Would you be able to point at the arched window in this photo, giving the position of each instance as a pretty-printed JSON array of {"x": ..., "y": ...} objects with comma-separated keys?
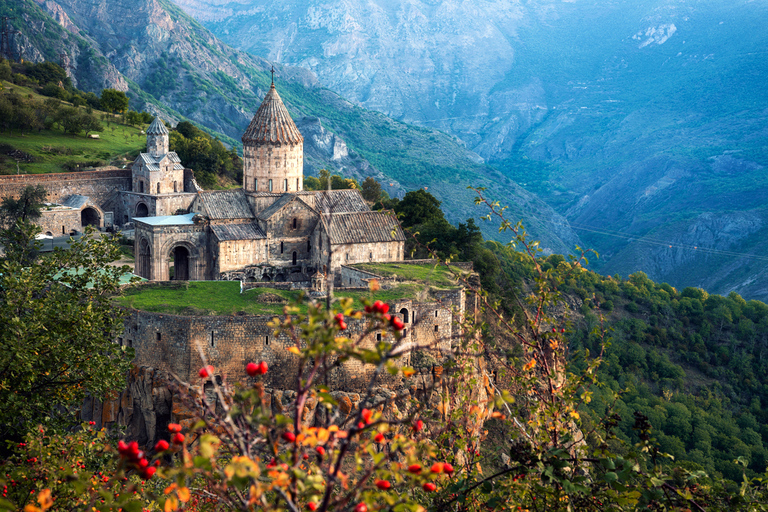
[
  {"x": 175, "y": 187},
  {"x": 141, "y": 186},
  {"x": 281, "y": 247},
  {"x": 285, "y": 185},
  {"x": 297, "y": 184},
  {"x": 270, "y": 185},
  {"x": 309, "y": 245},
  {"x": 295, "y": 222},
  {"x": 158, "y": 188},
  {"x": 294, "y": 257}
]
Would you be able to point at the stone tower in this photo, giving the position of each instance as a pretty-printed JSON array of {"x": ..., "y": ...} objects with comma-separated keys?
[
  {"x": 273, "y": 149},
  {"x": 157, "y": 138}
]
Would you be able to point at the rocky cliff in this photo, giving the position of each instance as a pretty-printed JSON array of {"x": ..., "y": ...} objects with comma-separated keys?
[{"x": 611, "y": 112}]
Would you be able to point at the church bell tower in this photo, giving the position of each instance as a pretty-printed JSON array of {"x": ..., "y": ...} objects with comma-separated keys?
[{"x": 273, "y": 149}]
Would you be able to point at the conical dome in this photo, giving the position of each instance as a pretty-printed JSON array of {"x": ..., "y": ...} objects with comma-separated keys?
[
  {"x": 272, "y": 123},
  {"x": 157, "y": 128}
]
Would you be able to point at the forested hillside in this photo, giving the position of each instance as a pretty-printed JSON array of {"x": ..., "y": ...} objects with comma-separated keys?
[{"x": 692, "y": 362}]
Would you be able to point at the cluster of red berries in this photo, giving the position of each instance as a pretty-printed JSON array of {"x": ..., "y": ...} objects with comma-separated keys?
[
  {"x": 253, "y": 369},
  {"x": 135, "y": 457},
  {"x": 175, "y": 429},
  {"x": 340, "y": 321},
  {"x": 383, "y": 309}
]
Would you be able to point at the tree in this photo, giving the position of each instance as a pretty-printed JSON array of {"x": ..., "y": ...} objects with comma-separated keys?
[
  {"x": 57, "y": 329},
  {"x": 371, "y": 190},
  {"x": 90, "y": 123},
  {"x": 113, "y": 101},
  {"x": 418, "y": 207}
]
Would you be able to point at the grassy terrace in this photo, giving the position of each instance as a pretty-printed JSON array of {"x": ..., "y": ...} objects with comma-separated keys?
[
  {"x": 224, "y": 297},
  {"x": 431, "y": 274}
]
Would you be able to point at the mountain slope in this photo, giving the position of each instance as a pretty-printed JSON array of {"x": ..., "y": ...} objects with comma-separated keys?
[
  {"x": 634, "y": 117},
  {"x": 173, "y": 64}
]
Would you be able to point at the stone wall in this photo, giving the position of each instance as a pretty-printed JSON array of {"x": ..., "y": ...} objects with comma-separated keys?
[
  {"x": 380, "y": 252},
  {"x": 161, "y": 242},
  {"x": 60, "y": 221},
  {"x": 282, "y": 164},
  {"x": 99, "y": 185},
  {"x": 235, "y": 254}
]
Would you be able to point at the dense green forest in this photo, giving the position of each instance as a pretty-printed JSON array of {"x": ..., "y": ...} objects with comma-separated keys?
[
  {"x": 690, "y": 361},
  {"x": 205, "y": 155}
]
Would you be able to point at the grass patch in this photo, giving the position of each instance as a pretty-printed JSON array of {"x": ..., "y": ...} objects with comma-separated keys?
[
  {"x": 428, "y": 273},
  {"x": 224, "y": 298},
  {"x": 52, "y": 150}
]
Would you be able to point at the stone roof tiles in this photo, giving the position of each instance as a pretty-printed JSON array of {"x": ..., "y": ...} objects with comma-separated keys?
[
  {"x": 276, "y": 206},
  {"x": 364, "y": 227},
  {"x": 157, "y": 128},
  {"x": 272, "y": 123},
  {"x": 340, "y": 201},
  {"x": 226, "y": 204},
  {"x": 76, "y": 201},
  {"x": 226, "y": 232}
]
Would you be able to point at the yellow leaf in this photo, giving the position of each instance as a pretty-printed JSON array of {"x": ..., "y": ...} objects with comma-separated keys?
[
  {"x": 574, "y": 415},
  {"x": 183, "y": 494},
  {"x": 31, "y": 508},
  {"x": 408, "y": 371},
  {"x": 171, "y": 504},
  {"x": 294, "y": 350},
  {"x": 44, "y": 499},
  {"x": 530, "y": 365}
]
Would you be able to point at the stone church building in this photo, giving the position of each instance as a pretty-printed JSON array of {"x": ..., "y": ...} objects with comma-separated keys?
[{"x": 269, "y": 230}]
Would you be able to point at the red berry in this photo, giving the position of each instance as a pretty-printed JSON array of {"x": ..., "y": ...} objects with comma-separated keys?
[
  {"x": 414, "y": 468},
  {"x": 383, "y": 484},
  {"x": 143, "y": 463},
  {"x": 91, "y": 423},
  {"x": 320, "y": 451},
  {"x": 429, "y": 487},
  {"x": 339, "y": 317},
  {"x": 174, "y": 428},
  {"x": 360, "y": 425},
  {"x": 305, "y": 456},
  {"x": 161, "y": 445},
  {"x": 178, "y": 438},
  {"x": 368, "y": 309},
  {"x": 397, "y": 324},
  {"x": 361, "y": 507},
  {"x": 149, "y": 472},
  {"x": 437, "y": 467},
  {"x": 366, "y": 415},
  {"x": 263, "y": 367},
  {"x": 205, "y": 371},
  {"x": 379, "y": 438},
  {"x": 252, "y": 369},
  {"x": 312, "y": 506},
  {"x": 289, "y": 436},
  {"x": 418, "y": 426},
  {"x": 122, "y": 448},
  {"x": 447, "y": 468},
  {"x": 342, "y": 326}
]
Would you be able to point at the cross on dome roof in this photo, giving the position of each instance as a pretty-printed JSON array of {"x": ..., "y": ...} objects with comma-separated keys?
[
  {"x": 157, "y": 128},
  {"x": 272, "y": 123}
]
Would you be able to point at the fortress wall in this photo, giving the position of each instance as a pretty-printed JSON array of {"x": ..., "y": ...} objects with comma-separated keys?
[{"x": 98, "y": 185}]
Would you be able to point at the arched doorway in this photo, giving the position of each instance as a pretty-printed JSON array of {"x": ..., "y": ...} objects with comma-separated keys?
[
  {"x": 90, "y": 217},
  {"x": 144, "y": 259},
  {"x": 142, "y": 210},
  {"x": 180, "y": 268},
  {"x": 295, "y": 256},
  {"x": 404, "y": 312}
]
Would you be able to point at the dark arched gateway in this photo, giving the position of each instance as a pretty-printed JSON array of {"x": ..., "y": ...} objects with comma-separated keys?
[
  {"x": 142, "y": 210},
  {"x": 180, "y": 264},
  {"x": 90, "y": 217}
]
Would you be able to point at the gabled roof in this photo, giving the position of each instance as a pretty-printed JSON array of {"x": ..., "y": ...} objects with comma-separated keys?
[
  {"x": 226, "y": 204},
  {"x": 238, "y": 232},
  {"x": 363, "y": 227},
  {"x": 272, "y": 123},
  {"x": 340, "y": 201},
  {"x": 157, "y": 128},
  {"x": 280, "y": 204}
]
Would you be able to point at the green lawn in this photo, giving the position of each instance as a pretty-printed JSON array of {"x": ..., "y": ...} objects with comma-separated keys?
[
  {"x": 224, "y": 298},
  {"x": 52, "y": 149},
  {"x": 429, "y": 273}
]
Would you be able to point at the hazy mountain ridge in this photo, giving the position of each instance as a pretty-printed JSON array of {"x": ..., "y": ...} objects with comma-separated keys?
[
  {"x": 173, "y": 65},
  {"x": 612, "y": 112}
]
